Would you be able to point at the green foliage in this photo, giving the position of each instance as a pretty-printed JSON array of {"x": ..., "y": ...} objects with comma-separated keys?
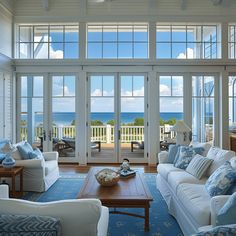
[
  {"x": 96, "y": 122},
  {"x": 139, "y": 121},
  {"x": 23, "y": 122},
  {"x": 111, "y": 122},
  {"x": 171, "y": 121},
  {"x": 162, "y": 122}
]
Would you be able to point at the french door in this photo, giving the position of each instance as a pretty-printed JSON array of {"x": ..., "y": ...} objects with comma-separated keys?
[
  {"x": 116, "y": 117},
  {"x": 46, "y": 113}
]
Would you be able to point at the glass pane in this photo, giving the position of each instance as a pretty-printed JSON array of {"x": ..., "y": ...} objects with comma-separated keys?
[
  {"x": 197, "y": 86},
  {"x": 25, "y": 50},
  {"x": 125, "y": 33},
  {"x": 109, "y": 33},
  {"x": 179, "y": 50},
  {"x": 163, "y": 50},
  {"x": 94, "y": 34},
  {"x": 191, "y": 33},
  {"x": 41, "y": 34},
  {"x": 140, "y": 50},
  {"x": 138, "y": 85},
  {"x": 56, "y": 34},
  {"x": 163, "y": 34},
  {"x": 126, "y": 85},
  {"x": 179, "y": 34},
  {"x": 209, "y": 33},
  {"x": 72, "y": 33},
  {"x": 140, "y": 34},
  {"x": 57, "y": 86},
  {"x": 69, "y": 85},
  {"x": 56, "y": 51},
  {"x": 71, "y": 50},
  {"x": 38, "y": 86},
  {"x": 109, "y": 50},
  {"x": 165, "y": 86},
  {"x": 25, "y": 33},
  {"x": 108, "y": 85},
  {"x": 64, "y": 105},
  {"x": 97, "y": 105},
  {"x": 132, "y": 105},
  {"x": 177, "y": 85},
  {"x": 208, "y": 86},
  {"x": 24, "y": 86},
  {"x": 40, "y": 50},
  {"x": 94, "y": 50},
  {"x": 96, "y": 86},
  {"x": 193, "y": 50},
  {"x": 125, "y": 50}
]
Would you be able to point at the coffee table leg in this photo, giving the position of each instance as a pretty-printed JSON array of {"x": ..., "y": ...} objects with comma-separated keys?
[{"x": 146, "y": 226}]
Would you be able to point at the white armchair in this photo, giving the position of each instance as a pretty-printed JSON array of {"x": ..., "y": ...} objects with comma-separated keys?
[
  {"x": 4, "y": 191},
  {"x": 39, "y": 174}
]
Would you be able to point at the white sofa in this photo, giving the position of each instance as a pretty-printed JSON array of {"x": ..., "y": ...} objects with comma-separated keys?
[
  {"x": 186, "y": 196},
  {"x": 38, "y": 174},
  {"x": 83, "y": 217}
]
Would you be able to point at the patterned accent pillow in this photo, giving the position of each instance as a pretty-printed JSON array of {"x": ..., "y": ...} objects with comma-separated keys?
[
  {"x": 173, "y": 149},
  {"x": 221, "y": 180},
  {"x": 226, "y": 230},
  {"x": 24, "y": 225},
  {"x": 36, "y": 154},
  {"x": 24, "y": 150},
  {"x": 198, "y": 166},
  {"x": 185, "y": 155},
  {"x": 227, "y": 214}
]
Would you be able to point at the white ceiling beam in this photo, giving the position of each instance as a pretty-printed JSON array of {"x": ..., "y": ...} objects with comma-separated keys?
[
  {"x": 183, "y": 4},
  {"x": 45, "y": 4},
  {"x": 83, "y": 7}
]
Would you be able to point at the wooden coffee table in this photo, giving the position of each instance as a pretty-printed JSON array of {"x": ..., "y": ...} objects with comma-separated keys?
[{"x": 130, "y": 192}]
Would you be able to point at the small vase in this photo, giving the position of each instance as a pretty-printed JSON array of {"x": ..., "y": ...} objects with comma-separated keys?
[{"x": 8, "y": 162}]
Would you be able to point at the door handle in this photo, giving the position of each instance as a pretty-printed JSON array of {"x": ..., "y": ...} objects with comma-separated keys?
[
  {"x": 50, "y": 135},
  {"x": 44, "y": 135},
  {"x": 118, "y": 134}
]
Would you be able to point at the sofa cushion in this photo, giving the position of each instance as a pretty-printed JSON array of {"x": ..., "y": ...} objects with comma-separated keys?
[
  {"x": 165, "y": 169},
  {"x": 205, "y": 146},
  {"x": 35, "y": 154},
  {"x": 221, "y": 180},
  {"x": 196, "y": 202},
  {"x": 173, "y": 149},
  {"x": 219, "y": 156},
  {"x": 50, "y": 166},
  {"x": 27, "y": 225},
  {"x": 227, "y": 214},
  {"x": 24, "y": 149},
  {"x": 198, "y": 166},
  {"x": 185, "y": 155},
  {"x": 175, "y": 178}
]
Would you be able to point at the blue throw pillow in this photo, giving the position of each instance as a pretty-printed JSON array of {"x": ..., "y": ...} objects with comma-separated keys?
[
  {"x": 227, "y": 214},
  {"x": 173, "y": 149},
  {"x": 35, "y": 154},
  {"x": 185, "y": 155},
  {"x": 232, "y": 189},
  {"x": 24, "y": 150},
  {"x": 221, "y": 180}
]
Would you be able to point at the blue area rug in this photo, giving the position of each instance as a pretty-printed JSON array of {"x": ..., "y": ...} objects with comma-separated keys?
[{"x": 161, "y": 223}]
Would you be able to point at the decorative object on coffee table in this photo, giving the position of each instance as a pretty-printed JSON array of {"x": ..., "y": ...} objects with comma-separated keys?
[
  {"x": 125, "y": 170},
  {"x": 107, "y": 177}
]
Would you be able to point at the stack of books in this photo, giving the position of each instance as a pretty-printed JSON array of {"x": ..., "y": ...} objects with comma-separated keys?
[{"x": 128, "y": 173}]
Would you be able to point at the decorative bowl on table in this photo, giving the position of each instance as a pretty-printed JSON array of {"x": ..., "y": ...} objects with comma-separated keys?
[{"x": 107, "y": 177}]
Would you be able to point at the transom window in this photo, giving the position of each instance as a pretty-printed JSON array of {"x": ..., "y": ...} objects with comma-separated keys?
[
  {"x": 187, "y": 42},
  {"x": 48, "y": 41},
  {"x": 114, "y": 41},
  {"x": 232, "y": 41}
]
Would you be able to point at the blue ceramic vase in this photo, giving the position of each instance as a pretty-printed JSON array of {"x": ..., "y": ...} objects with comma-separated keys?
[{"x": 8, "y": 162}]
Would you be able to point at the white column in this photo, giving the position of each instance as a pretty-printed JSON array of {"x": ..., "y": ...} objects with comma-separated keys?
[
  {"x": 152, "y": 41},
  {"x": 108, "y": 133},
  {"x": 188, "y": 99},
  {"x": 153, "y": 119}
]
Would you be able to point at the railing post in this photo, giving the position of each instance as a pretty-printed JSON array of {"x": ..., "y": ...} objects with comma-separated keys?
[
  {"x": 60, "y": 133},
  {"x": 108, "y": 133}
]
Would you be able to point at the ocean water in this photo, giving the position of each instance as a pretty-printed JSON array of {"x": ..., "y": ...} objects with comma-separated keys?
[{"x": 66, "y": 118}]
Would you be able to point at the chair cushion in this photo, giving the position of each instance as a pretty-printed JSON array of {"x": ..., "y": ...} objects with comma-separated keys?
[
  {"x": 198, "y": 166},
  {"x": 165, "y": 169},
  {"x": 219, "y": 156},
  {"x": 227, "y": 214},
  {"x": 221, "y": 180},
  {"x": 196, "y": 202},
  {"x": 35, "y": 154},
  {"x": 24, "y": 149},
  {"x": 27, "y": 225}
]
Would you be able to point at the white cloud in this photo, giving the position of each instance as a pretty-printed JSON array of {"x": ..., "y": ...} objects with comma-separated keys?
[
  {"x": 164, "y": 89},
  {"x": 183, "y": 55}
]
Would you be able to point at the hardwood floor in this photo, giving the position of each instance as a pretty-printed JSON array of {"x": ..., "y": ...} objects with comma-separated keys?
[{"x": 74, "y": 168}]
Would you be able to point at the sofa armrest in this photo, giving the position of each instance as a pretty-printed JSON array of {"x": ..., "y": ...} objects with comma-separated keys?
[
  {"x": 4, "y": 191},
  {"x": 50, "y": 156},
  {"x": 217, "y": 203},
  {"x": 31, "y": 163},
  {"x": 163, "y": 157}
]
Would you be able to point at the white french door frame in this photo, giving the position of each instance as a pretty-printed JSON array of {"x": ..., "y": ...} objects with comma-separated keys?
[{"x": 117, "y": 158}]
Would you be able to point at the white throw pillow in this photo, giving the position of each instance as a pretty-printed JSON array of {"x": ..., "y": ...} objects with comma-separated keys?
[
  {"x": 206, "y": 147},
  {"x": 198, "y": 166},
  {"x": 219, "y": 156}
]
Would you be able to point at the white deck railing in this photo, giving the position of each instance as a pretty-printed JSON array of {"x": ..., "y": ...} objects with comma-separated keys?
[{"x": 103, "y": 133}]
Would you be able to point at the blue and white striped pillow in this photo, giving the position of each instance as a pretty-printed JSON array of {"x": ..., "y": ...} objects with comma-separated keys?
[{"x": 198, "y": 166}]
